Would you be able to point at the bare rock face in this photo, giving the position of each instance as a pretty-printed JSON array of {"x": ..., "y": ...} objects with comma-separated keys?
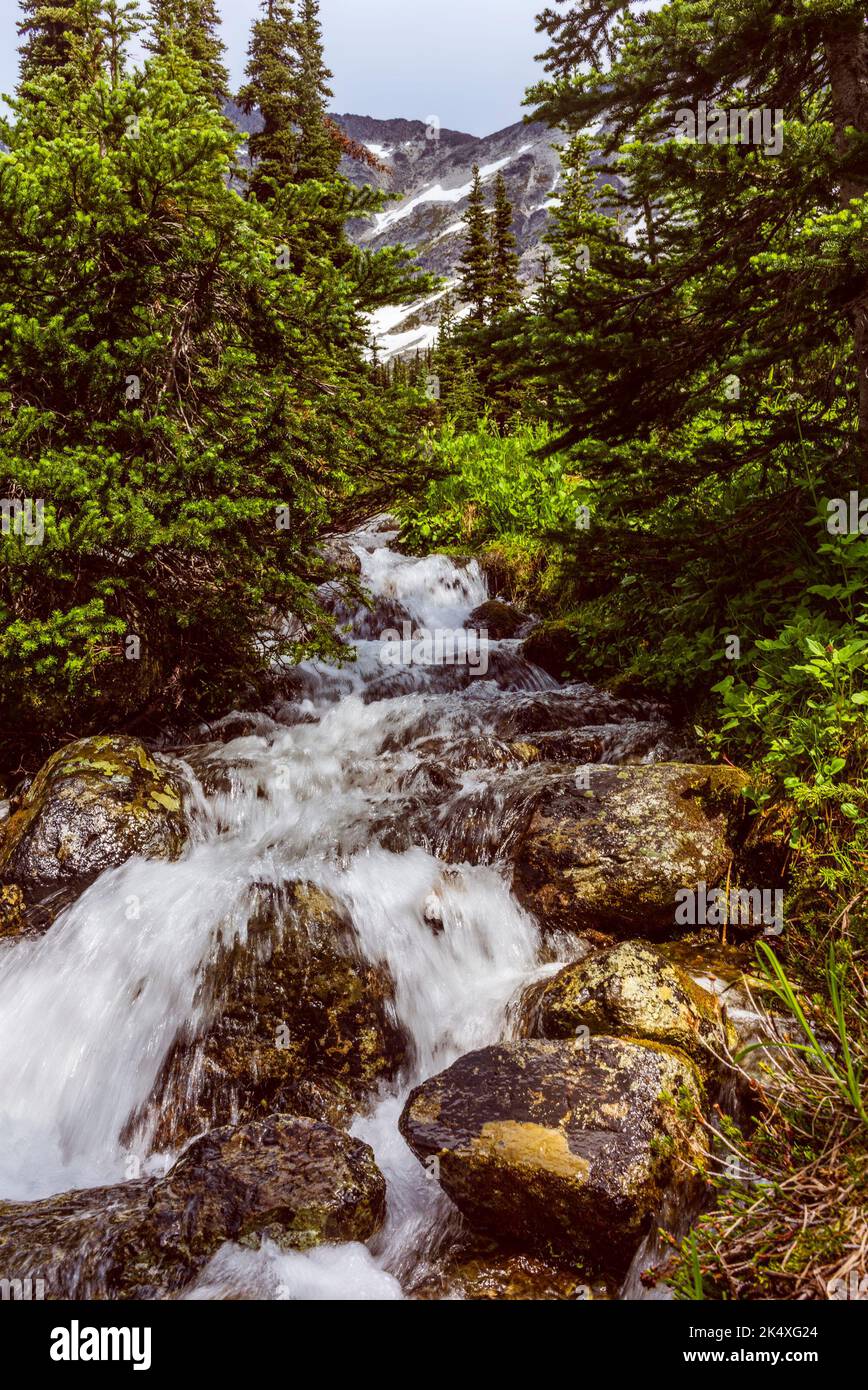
[
  {"x": 631, "y": 990},
  {"x": 297, "y": 1182},
  {"x": 566, "y": 1149},
  {"x": 613, "y": 855},
  {"x": 297, "y": 1022},
  {"x": 93, "y": 805}
]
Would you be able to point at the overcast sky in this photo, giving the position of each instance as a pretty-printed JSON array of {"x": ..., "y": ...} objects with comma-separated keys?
[{"x": 466, "y": 61}]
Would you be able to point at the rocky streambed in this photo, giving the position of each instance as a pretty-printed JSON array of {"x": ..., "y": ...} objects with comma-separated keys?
[{"x": 375, "y": 993}]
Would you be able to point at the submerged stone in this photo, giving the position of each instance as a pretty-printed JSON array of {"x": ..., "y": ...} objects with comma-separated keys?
[{"x": 296, "y": 1020}]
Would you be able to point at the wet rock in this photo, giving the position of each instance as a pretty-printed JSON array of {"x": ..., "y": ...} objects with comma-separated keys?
[
  {"x": 298, "y": 1021},
  {"x": 566, "y": 1149},
  {"x": 338, "y": 551},
  {"x": 297, "y": 1182},
  {"x": 94, "y": 804},
  {"x": 631, "y": 990},
  {"x": 635, "y": 741},
  {"x": 236, "y": 724},
  {"x": 517, "y": 1277},
  {"x": 614, "y": 855},
  {"x": 497, "y": 619},
  {"x": 579, "y": 706}
]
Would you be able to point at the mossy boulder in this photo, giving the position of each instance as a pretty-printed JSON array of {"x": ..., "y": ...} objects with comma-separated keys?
[
  {"x": 296, "y": 1020},
  {"x": 297, "y": 1182},
  {"x": 631, "y": 990},
  {"x": 565, "y": 1148},
  {"x": 496, "y": 619},
  {"x": 551, "y": 645},
  {"x": 613, "y": 855},
  {"x": 94, "y": 804}
]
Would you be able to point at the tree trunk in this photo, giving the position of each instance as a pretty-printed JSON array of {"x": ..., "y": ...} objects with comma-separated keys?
[{"x": 847, "y": 57}]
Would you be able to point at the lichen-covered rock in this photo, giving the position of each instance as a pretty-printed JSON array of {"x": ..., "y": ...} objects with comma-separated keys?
[
  {"x": 11, "y": 910},
  {"x": 296, "y": 1021},
  {"x": 297, "y": 1182},
  {"x": 631, "y": 990},
  {"x": 613, "y": 855},
  {"x": 563, "y": 1148},
  {"x": 94, "y": 804},
  {"x": 497, "y": 619}
]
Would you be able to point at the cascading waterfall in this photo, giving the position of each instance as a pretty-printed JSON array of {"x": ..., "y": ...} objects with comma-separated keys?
[{"x": 89, "y": 1012}]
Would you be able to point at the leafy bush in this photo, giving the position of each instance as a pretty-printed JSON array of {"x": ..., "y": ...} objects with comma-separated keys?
[{"x": 491, "y": 484}]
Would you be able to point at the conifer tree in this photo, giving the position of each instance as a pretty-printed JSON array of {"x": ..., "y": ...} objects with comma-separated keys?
[
  {"x": 505, "y": 285},
  {"x": 272, "y": 89},
  {"x": 319, "y": 151},
  {"x": 753, "y": 266},
  {"x": 194, "y": 25},
  {"x": 121, "y": 22},
  {"x": 50, "y": 32},
  {"x": 475, "y": 265},
  {"x": 68, "y": 47}
]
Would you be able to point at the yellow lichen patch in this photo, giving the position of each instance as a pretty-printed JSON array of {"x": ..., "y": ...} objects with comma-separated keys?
[
  {"x": 528, "y": 752},
  {"x": 426, "y": 1109},
  {"x": 528, "y": 1145}
]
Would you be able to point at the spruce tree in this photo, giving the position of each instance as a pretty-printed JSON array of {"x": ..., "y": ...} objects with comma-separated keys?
[
  {"x": 121, "y": 22},
  {"x": 750, "y": 244},
  {"x": 68, "y": 47},
  {"x": 184, "y": 409},
  {"x": 505, "y": 286},
  {"x": 272, "y": 89},
  {"x": 475, "y": 264},
  {"x": 194, "y": 26},
  {"x": 319, "y": 151},
  {"x": 50, "y": 33}
]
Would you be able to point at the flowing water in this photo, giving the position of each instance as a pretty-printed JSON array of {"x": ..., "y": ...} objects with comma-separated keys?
[{"x": 397, "y": 788}]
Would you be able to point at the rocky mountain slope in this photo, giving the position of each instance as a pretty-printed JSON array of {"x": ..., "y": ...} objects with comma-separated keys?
[{"x": 430, "y": 167}]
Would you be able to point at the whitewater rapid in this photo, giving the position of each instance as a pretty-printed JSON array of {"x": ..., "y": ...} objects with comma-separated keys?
[{"x": 89, "y": 1012}]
